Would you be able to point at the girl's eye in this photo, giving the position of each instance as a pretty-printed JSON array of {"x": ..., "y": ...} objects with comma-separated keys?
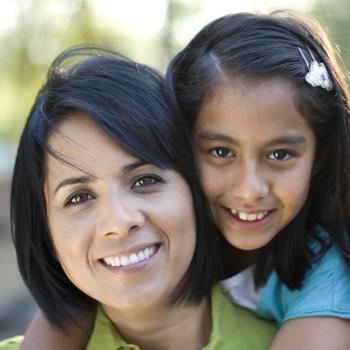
[
  {"x": 77, "y": 199},
  {"x": 146, "y": 180},
  {"x": 280, "y": 154},
  {"x": 221, "y": 152}
]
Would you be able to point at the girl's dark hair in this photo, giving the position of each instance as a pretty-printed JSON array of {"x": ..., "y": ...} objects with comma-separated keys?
[
  {"x": 126, "y": 100},
  {"x": 249, "y": 46}
]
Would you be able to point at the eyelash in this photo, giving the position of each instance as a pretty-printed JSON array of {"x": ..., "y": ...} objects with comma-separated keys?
[
  {"x": 137, "y": 184},
  {"x": 83, "y": 196},
  {"x": 287, "y": 153},
  {"x": 75, "y": 196},
  {"x": 218, "y": 149},
  {"x": 227, "y": 153}
]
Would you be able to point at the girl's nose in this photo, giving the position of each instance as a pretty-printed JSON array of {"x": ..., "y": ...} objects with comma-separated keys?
[
  {"x": 249, "y": 185},
  {"x": 118, "y": 216}
]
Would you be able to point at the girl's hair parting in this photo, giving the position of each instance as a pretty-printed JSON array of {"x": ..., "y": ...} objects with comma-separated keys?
[
  {"x": 126, "y": 100},
  {"x": 250, "y": 46}
]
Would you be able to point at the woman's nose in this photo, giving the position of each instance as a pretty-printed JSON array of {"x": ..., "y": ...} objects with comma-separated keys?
[{"x": 119, "y": 215}]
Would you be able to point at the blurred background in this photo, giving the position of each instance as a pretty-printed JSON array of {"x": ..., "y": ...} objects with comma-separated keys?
[{"x": 33, "y": 32}]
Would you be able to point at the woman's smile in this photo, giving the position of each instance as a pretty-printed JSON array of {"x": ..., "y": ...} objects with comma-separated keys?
[{"x": 134, "y": 260}]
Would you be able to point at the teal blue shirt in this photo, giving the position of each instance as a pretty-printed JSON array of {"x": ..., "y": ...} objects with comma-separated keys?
[{"x": 325, "y": 290}]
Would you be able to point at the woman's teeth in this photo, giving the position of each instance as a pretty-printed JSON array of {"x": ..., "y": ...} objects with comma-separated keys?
[
  {"x": 134, "y": 258},
  {"x": 249, "y": 216}
]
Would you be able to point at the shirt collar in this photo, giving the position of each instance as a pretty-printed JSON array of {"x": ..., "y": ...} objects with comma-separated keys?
[
  {"x": 105, "y": 336},
  {"x": 229, "y": 328}
]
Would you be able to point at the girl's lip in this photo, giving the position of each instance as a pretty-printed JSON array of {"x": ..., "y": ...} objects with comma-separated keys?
[{"x": 250, "y": 225}]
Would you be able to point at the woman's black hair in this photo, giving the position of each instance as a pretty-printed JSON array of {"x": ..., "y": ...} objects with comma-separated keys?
[
  {"x": 126, "y": 100},
  {"x": 249, "y": 46}
]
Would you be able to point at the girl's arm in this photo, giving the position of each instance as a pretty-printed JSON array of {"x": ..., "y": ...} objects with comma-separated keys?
[
  {"x": 42, "y": 335},
  {"x": 313, "y": 333}
]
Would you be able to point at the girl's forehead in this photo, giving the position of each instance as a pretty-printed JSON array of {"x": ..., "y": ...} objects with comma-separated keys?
[
  {"x": 262, "y": 110},
  {"x": 239, "y": 96},
  {"x": 254, "y": 86}
]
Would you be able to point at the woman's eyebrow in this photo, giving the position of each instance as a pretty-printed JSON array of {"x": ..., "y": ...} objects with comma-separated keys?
[
  {"x": 75, "y": 180},
  {"x": 90, "y": 179},
  {"x": 134, "y": 165}
]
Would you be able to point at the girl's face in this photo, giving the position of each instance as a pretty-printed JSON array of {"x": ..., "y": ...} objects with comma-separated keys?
[
  {"x": 255, "y": 153},
  {"x": 124, "y": 230}
]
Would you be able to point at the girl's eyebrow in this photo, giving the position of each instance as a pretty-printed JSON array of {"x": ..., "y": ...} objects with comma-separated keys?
[
  {"x": 287, "y": 140},
  {"x": 212, "y": 136},
  {"x": 281, "y": 140},
  {"x": 90, "y": 178}
]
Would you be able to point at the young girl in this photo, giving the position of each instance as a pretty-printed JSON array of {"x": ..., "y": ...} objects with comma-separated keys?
[
  {"x": 268, "y": 109},
  {"x": 108, "y": 212},
  {"x": 269, "y": 113}
]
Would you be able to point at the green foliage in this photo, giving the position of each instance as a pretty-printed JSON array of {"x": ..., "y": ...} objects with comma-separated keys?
[{"x": 43, "y": 28}]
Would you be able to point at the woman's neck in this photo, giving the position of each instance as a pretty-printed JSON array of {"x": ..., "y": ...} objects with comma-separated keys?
[{"x": 179, "y": 327}]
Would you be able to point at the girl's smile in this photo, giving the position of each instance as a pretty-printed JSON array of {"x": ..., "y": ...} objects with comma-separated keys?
[
  {"x": 250, "y": 220},
  {"x": 255, "y": 152}
]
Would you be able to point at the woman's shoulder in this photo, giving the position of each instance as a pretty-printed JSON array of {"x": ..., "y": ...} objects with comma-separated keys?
[
  {"x": 235, "y": 327},
  {"x": 11, "y": 343}
]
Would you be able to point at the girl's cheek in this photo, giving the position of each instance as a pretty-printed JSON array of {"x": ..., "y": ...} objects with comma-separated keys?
[{"x": 211, "y": 180}]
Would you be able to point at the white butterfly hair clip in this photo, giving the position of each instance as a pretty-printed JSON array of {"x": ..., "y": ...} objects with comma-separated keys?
[{"x": 317, "y": 75}]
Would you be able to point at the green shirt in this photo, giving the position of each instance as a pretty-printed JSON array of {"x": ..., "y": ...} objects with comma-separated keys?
[{"x": 233, "y": 328}]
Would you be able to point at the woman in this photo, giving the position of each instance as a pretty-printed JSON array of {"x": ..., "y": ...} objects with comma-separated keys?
[{"x": 108, "y": 214}]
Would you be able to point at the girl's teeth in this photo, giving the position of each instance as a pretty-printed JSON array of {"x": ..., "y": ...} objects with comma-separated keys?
[
  {"x": 243, "y": 216},
  {"x": 260, "y": 216},
  {"x": 131, "y": 259},
  {"x": 249, "y": 217}
]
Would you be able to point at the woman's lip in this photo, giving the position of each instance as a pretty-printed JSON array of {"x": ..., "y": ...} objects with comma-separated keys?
[
  {"x": 133, "y": 267},
  {"x": 249, "y": 225},
  {"x": 130, "y": 251}
]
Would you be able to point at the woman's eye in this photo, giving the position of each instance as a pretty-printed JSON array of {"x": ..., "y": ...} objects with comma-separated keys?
[
  {"x": 221, "y": 152},
  {"x": 78, "y": 199},
  {"x": 148, "y": 180},
  {"x": 280, "y": 154}
]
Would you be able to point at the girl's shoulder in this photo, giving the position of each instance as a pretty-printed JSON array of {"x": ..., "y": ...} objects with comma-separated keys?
[{"x": 324, "y": 292}]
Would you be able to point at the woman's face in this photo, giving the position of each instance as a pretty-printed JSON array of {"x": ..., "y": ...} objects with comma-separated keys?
[
  {"x": 255, "y": 153},
  {"x": 124, "y": 230}
]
